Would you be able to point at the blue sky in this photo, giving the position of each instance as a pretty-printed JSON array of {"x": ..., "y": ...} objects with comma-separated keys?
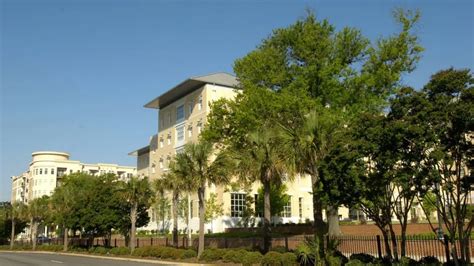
[{"x": 76, "y": 74}]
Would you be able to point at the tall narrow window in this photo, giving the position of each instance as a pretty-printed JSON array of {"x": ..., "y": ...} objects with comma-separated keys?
[
  {"x": 200, "y": 103},
  {"x": 45, "y": 171},
  {"x": 179, "y": 113},
  {"x": 237, "y": 204},
  {"x": 180, "y": 135},
  {"x": 161, "y": 143},
  {"x": 41, "y": 171},
  {"x": 169, "y": 139},
  {"x": 190, "y": 107},
  {"x": 52, "y": 171},
  {"x": 300, "y": 207},
  {"x": 191, "y": 209},
  {"x": 287, "y": 209}
]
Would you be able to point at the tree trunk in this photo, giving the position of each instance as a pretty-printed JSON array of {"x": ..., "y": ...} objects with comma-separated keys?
[
  {"x": 388, "y": 250},
  {"x": 394, "y": 242},
  {"x": 133, "y": 220},
  {"x": 65, "y": 244},
  {"x": 333, "y": 221},
  {"x": 34, "y": 227},
  {"x": 319, "y": 227},
  {"x": 12, "y": 237},
  {"x": 188, "y": 222},
  {"x": 403, "y": 243},
  {"x": 202, "y": 217},
  {"x": 266, "y": 216},
  {"x": 175, "y": 219}
]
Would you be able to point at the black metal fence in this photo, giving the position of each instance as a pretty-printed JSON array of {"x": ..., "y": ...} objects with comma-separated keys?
[{"x": 416, "y": 246}]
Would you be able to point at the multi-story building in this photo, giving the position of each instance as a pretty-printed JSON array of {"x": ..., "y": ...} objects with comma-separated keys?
[
  {"x": 182, "y": 114},
  {"x": 47, "y": 168}
]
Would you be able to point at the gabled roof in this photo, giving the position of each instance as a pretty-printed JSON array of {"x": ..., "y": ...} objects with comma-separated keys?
[{"x": 190, "y": 85}]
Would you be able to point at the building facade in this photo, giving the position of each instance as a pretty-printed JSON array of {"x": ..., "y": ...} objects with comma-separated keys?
[
  {"x": 47, "y": 168},
  {"x": 182, "y": 113}
]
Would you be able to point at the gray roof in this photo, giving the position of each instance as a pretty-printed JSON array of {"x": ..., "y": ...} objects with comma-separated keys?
[{"x": 190, "y": 85}]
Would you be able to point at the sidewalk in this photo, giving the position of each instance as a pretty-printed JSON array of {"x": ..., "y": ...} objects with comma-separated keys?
[{"x": 153, "y": 261}]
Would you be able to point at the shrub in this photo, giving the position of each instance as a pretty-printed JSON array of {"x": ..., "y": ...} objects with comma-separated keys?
[
  {"x": 138, "y": 252},
  {"x": 305, "y": 254},
  {"x": 77, "y": 249},
  {"x": 252, "y": 258},
  {"x": 99, "y": 250},
  {"x": 212, "y": 254},
  {"x": 120, "y": 251},
  {"x": 332, "y": 260},
  {"x": 49, "y": 247},
  {"x": 406, "y": 261},
  {"x": 189, "y": 253},
  {"x": 177, "y": 253},
  {"x": 366, "y": 258},
  {"x": 272, "y": 258},
  {"x": 429, "y": 260},
  {"x": 280, "y": 249},
  {"x": 355, "y": 262},
  {"x": 289, "y": 258},
  {"x": 166, "y": 252}
]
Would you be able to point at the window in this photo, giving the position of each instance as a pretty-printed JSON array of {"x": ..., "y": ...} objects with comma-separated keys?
[
  {"x": 179, "y": 113},
  {"x": 190, "y": 107},
  {"x": 36, "y": 171},
  {"x": 129, "y": 175},
  {"x": 180, "y": 135},
  {"x": 161, "y": 143},
  {"x": 41, "y": 171},
  {"x": 200, "y": 103},
  {"x": 161, "y": 163},
  {"x": 191, "y": 209},
  {"x": 169, "y": 139},
  {"x": 45, "y": 171},
  {"x": 300, "y": 207},
  {"x": 287, "y": 209},
  {"x": 190, "y": 131},
  {"x": 199, "y": 128},
  {"x": 52, "y": 171},
  {"x": 237, "y": 204},
  {"x": 153, "y": 168},
  {"x": 70, "y": 171}
]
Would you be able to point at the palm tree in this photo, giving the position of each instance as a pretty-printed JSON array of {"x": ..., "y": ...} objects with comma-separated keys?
[
  {"x": 135, "y": 191},
  {"x": 198, "y": 163},
  {"x": 264, "y": 159},
  {"x": 37, "y": 212},
  {"x": 17, "y": 212},
  {"x": 310, "y": 143}
]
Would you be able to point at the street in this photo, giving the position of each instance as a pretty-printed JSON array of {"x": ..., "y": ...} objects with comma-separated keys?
[{"x": 42, "y": 259}]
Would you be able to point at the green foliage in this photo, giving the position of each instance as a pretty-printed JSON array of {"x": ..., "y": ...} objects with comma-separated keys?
[
  {"x": 235, "y": 256},
  {"x": 214, "y": 209},
  {"x": 252, "y": 258},
  {"x": 405, "y": 261},
  {"x": 278, "y": 199},
  {"x": 120, "y": 251},
  {"x": 280, "y": 249},
  {"x": 365, "y": 258},
  {"x": 212, "y": 254},
  {"x": 272, "y": 258},
  {"x": 189, "y": 253},
  {"x": 430, "y": 261},
  {"x": 99, "y": 250},
  {"x": 290, "y": 259},
  {"x": 50, "y": 248},
  {"x": 355, "y": 262},
  {"x": 7, "y": 213}
]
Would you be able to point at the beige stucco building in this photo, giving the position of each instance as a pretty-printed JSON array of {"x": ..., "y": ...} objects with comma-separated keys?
[
  {"x": 182, "y": 113},
  {"x": 47, "y": 168}
]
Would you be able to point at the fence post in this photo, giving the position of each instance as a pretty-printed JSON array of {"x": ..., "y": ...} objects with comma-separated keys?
[
  {"x": 151, "y": 241},
  {"x": 138, "y": 242},
  {"x": 115, "y": 242},
  {"x": 286, "y": 243},
  {"x": 327, "y": 242},
  {"x": 379, "y": 247},
  {"x": 446, "y": 248},
  {"x": 166, "y": 241}
]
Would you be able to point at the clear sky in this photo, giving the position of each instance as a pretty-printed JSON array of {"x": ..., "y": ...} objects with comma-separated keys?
[{"x": 76, "y": 74}]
